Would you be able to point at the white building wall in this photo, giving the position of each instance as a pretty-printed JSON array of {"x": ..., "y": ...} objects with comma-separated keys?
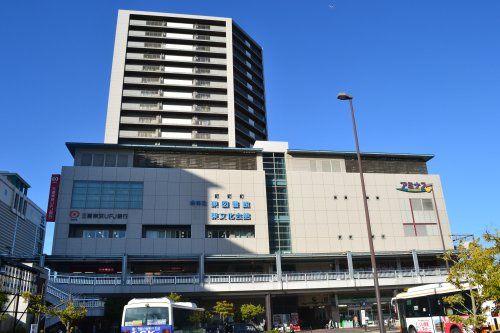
[
  {"x": 318, "y": 219},
  {"x": 167, "y": 197},
  {"x": 116, "y": 81}
]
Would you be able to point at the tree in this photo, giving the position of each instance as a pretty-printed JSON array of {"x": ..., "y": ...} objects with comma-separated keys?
[
  {"x": 224, "y": 309},
  {"x": 200, "y": 317},
  {"x": 251, "y": 311},
  {"x": 3, "y": 300},
  {"x": 477, "y": 266},
  {"x": 69, "y": 314},
  {"x": 174, "y": 297},
  {"x": 36, "y": 305}
]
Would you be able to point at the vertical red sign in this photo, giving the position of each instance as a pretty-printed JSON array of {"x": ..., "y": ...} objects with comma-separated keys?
[{"x": 53, "y": 194}]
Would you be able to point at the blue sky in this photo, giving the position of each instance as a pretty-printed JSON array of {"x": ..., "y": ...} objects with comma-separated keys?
[{"x": 425, "y": 76}]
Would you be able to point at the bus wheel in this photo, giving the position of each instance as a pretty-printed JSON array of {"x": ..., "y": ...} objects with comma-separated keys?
[
  {"x": 413, "y": 330},
  {"x": 455, "y": 330}
]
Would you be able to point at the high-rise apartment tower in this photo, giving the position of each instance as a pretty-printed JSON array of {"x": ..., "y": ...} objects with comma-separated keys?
[{"x": 185, "y": 80}]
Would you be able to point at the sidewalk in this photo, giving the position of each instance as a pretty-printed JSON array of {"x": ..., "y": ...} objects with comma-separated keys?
[{"x": 350, "y": 330}]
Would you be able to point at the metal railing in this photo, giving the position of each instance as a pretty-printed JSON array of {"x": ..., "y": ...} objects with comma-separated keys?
[
  {"x": 159, "y": 280},
  {"x": 240, "y": 278},
  {"x": 58, "y": 293},
  {"x": 86, "y": 280},
  {"x": 78, "y": 300},
  {"x": 247, "y": 278}
]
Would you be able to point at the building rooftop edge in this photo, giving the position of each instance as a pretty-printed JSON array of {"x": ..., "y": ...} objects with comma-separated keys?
[
  {"x": 425, "y": 157},
  {"x": 8, "y": 173},
  {"x": 192, "y": 16},
  {"x": 72, "y": 146},
  {"x": 246, "y": 34},
  {"x": 75, "y": 145}
]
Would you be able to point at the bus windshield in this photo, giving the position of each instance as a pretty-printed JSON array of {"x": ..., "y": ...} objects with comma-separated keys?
[{"x": 146, "y": 316}]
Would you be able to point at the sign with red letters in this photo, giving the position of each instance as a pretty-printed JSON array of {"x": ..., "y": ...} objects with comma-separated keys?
[{"x": 55, "y": 180}]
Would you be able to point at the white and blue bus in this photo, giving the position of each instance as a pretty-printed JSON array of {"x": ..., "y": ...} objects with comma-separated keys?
[
  {"x": 422, "y": 310},
  {"x": 159, "y": 315}
]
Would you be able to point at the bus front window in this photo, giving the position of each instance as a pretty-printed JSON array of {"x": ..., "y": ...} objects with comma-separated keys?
[{"x": 146, "y": 316}]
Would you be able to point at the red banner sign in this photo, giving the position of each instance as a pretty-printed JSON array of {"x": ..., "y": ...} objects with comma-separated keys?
[{"x": 53, "y": 194}]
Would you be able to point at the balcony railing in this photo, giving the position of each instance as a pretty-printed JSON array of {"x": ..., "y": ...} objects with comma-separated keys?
[
  {"x": 176, "y": 70},
  {"x": 166, "y": 24},
  {"x": 173, "y": 58},
  {"x": 240, "y": 278},
  {"x": 173, "y": 46},
  {"x": 169, "y": 35},
  {"x": 138, "y": 134},
  {"x": 172, "y": 107},
  {"x": 172, "y": 121},
  {"x": 174, "y": 94},
  {"x": 175, "y": 82}
]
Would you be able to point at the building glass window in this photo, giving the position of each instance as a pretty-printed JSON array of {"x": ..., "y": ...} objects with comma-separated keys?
[
  {"x": 423, "y": 219},
  {"x": 107, "y": 195},
  {"x": 96, "y": 231},
  {"x": 98, "y": 160},
  {"x": 118, "y": 234},
  {"x": 166, "y": 231},
  {"x": 16, "y": 201},
  {"x": 86, "y": 159},
  {"x": 122, "y": 160},
  {"x": 110, "y": 160},
  {"x": 277, "y": 202},
  {"x": 409, "y": 230},
  {"x": 101, "y": 159},
  {"x": 230, "y": 231}
]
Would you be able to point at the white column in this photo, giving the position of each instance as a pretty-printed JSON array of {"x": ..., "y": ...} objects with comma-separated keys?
[
  {"x": 278, "y": 265},
  {"x": 415, "y": 260},
  {"x": 201, "y": 268},
  {"x": 350, "y": 265},
  {"x": 124, "y": 269}
]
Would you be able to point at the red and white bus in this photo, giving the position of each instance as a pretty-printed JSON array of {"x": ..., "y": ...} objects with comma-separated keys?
[{"x": 422, "y": 310}]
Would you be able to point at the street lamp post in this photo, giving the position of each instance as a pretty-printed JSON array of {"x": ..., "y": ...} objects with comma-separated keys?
[
  {"x": 440, "y": 229},
  {"x": 347, "y": 97}
]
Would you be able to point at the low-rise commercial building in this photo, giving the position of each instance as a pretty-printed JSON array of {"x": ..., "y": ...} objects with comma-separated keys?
[
  {"x": 22, "y": 232},
  {"x": 22, "y": 222},
  {"x": 281, "y": 226}
]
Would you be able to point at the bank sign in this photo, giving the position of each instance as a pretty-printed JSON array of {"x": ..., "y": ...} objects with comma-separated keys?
[
  {"x": 415, "y": 187},
  {"x": 74, "y": 215},
  {"x": 228, "y": 210}
]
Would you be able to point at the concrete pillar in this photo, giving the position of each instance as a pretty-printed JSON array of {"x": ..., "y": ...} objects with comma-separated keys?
[
  {"x": 335, "y": 310},
  {"x": 415, "y": 260},
  {"x": 269, "y": 318},
  {"x": 350, "y": 265},
  {"x": 398, "y": 264},
  {"x": 124, "y": 269},
  {"x": 201, "y": 268},
  {"x": 278, "y": 265},
  {"x": 42, "y": 260}
]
